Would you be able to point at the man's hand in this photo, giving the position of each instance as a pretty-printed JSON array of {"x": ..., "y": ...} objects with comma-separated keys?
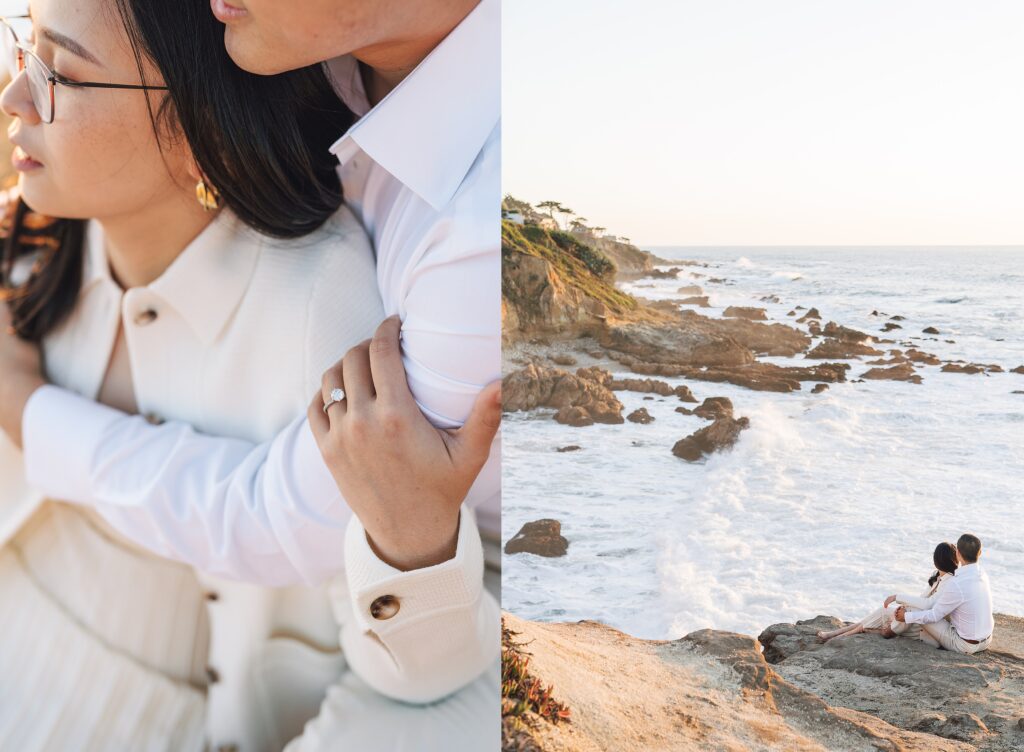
[
  {"x": 888, "y": 601},
  {"x": 901, "y": 614},
  {"x": 21, "y": 373},
  {"x": 402, "y": 477}
]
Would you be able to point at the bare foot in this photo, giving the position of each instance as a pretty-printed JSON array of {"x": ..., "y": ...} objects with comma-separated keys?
[{"x": 887, "y": 633}]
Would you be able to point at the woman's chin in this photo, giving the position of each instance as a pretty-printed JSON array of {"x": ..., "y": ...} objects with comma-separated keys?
[{"x": 39, "y": 197}]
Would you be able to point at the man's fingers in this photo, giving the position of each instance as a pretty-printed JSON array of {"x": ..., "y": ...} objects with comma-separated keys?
[
  {"x": 484, "y": 419},
  {"x": 386, "y": 365}
]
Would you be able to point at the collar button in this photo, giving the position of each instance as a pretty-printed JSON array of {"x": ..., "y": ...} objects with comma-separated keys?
[{"x": 146, "y": 317}]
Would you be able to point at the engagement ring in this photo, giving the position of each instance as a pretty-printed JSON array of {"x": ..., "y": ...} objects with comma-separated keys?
[{"x": 337, "y": 395}]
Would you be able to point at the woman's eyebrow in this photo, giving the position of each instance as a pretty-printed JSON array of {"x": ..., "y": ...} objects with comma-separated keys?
[{"x": 70, "y": 45}]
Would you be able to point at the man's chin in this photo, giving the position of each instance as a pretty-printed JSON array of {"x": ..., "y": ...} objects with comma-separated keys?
[{"x": 244, "y": 49}]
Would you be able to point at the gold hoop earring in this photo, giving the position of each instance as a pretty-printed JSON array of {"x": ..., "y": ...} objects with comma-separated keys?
[{"x": 207, "y": 196}]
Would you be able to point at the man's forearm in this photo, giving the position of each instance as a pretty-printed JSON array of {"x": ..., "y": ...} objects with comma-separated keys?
[{"x": 14, "y": 395}]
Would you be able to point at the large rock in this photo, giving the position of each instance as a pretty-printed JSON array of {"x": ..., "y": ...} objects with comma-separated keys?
[
  {"x": 918, "y": 356},
  {"x": 713, "y": 408},
  {"x": 542, "y": 537},
  {"x": 646, "y": 386},
  {"x": 580, "y": 400},
  {"x": 708, "y": 691},
  {"x": 971, "y": 368},
  {"x": 977, "y": 700},
  {"x": 745, "y": 312},
  {"x": 701, "y": 301},
  {"x": 688, "y": 338},
  {"x": 832, "y": 329},
  {"x": 901, "y": 372},
  {"x": 1018, "y": 369},
  {"x": 830, "y": 348},
  {"x": 761, "y": 377},
  {"x": 721, "y": 434},
  {"x": 640, "y": 415}
]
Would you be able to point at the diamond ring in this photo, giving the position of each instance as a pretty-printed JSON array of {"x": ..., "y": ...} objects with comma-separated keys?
[{"x": 337, "y": 395}]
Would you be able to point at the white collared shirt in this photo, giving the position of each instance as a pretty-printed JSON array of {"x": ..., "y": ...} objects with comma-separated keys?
[
  {"x": 422, "y": 172},
  {"x": 966, "y": 599}
]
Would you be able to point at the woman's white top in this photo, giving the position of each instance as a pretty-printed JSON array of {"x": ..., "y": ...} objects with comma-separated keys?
[
  {"x": 926, "y": 599},
  {"x": 233, "y": 339}
]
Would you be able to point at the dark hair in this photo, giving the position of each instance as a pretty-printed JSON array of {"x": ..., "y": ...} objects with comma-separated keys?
[
  {"x": 944, "y": 559},
  {"x": 261, "y": 141},
  {"x": 969, "y": 547}
]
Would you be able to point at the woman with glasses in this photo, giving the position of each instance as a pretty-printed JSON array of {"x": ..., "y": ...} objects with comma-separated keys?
[{"x": 168, "y": 242}]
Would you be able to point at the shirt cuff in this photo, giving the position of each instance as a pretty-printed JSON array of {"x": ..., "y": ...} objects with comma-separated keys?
[
  {"x": 402, "y": 599},
  {"x": 61, "y": 432}
]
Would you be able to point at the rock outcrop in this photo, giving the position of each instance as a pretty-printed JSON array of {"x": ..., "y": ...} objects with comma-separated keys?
[
  {"x": 901, "y": 372},
  {"x": 971, "y": 368},
  {"x": 701, "y": 301},
  {"x": 977, "y": 700},
  {"x": 721, "y": 434},
  {"x": 541, "y": 537},
  {"x": 761, "y": 377},
  {"x": 579, "y": 400},
  {"x": 709, "y": 691},
  {"x": 640, "y": 415},
  {"x": 745, "y": 312},
  {"x": 714, "y": 408},
  {"x": 830, "y": 349}
]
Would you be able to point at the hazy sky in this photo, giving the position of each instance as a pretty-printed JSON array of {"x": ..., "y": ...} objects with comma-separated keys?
[{"x": 783, "y": 122}]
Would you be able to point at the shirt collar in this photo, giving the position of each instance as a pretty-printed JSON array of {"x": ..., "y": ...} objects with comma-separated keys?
[
  {"x": 204, "y": 284},
  {"x": 429, "y": 130},
  {"x": 968, "y": 568}
]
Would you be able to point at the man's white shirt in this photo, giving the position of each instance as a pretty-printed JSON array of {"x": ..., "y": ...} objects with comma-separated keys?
[
  {"x": 966, "y": 599},
  {"x": 422, "y": 171}
]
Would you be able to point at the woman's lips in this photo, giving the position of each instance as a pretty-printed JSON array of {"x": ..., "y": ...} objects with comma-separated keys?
[
  {"x": 225, "y": 12},
  {"x": 23, "y": 162}
]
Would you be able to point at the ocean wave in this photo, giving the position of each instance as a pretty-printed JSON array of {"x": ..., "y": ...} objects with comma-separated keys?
[
  {"x": 952, "y": 300},
  {"x": 792, "y": 276}
]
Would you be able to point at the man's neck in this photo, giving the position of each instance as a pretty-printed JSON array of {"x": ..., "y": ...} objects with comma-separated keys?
[
  {"x": 386, "y": 64},
  {"x": 141, "y": 246}
]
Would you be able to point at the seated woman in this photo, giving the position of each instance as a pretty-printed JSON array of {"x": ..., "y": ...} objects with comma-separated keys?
[
  {"x": 882, "y": 620},
  {"x": 178, "y": 244}
]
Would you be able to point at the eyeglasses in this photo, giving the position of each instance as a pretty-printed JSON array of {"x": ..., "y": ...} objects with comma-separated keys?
[{"x": 42, "y": 80}]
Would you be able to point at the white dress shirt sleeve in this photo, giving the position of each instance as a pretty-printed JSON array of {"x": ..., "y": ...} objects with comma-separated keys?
[{"x": 949, "y": 597}]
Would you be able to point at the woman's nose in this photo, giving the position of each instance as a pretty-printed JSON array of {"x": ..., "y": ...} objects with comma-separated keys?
[{"x": 16, "y": 100}]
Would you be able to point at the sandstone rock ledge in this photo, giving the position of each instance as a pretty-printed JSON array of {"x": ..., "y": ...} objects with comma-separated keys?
[
  {"x": 709, "y": 691},
  {"x": 977, "y": 700}
]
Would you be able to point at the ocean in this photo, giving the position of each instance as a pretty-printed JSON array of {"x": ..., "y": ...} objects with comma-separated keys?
[{"x": 829, "y": 502}]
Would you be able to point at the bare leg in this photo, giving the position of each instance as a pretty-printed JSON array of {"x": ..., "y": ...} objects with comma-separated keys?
[{"x": 851, "y": 629}]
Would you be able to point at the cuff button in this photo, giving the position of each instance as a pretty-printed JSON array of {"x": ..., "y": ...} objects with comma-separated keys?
[{"x": 384, "y": 607}]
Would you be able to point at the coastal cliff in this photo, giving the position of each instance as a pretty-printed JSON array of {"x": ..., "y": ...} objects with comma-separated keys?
[{"x": 714, "y": 690}]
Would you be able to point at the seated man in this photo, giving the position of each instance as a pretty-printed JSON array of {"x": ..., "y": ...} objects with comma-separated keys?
[{"x": 961, "y": 619}]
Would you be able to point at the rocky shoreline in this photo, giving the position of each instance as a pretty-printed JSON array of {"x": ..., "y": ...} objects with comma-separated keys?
[
  {"x": 567, "y": 326},
  {"x": 717, "y": 690}
]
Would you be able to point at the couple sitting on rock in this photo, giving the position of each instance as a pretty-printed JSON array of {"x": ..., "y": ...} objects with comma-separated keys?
[{"x": 955, "y": 612}]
